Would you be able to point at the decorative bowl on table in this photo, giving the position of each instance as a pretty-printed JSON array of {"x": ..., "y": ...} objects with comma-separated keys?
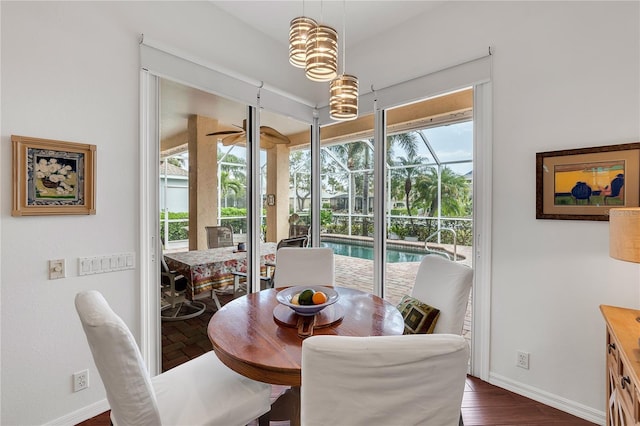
[{"x": 289, "y": 295}]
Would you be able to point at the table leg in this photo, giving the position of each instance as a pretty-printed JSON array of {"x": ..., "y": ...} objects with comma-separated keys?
[{"x": 287, "y": 407}]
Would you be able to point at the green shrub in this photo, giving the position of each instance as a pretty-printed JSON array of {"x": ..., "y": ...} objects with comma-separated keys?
[
  {"x": 177, "y": 230},
  {"x": 326, "y": 217}
]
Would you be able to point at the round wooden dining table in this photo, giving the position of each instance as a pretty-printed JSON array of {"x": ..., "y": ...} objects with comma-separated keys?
[
  {"x": 251, "y": 341},
  {"x": 255, "y": 336}
]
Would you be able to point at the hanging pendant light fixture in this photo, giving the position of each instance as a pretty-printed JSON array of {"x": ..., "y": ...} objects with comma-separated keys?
[
  {"x": 343, "y": 101},
  {"x": 321, "y": 62},
  {"x": 298, "y": 32},
  {"x": 343, "y": 104}
]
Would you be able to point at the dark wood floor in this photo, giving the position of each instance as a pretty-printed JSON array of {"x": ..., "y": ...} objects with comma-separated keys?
[{"x": 482, "y": 404}]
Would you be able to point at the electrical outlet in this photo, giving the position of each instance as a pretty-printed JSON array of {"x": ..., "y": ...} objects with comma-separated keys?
[
  {"x": 80, "y": 380},
  {"x": 523, "y": 360}
]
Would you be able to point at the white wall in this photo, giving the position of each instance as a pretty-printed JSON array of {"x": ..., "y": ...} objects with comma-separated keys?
[
  {"x": 69, "y": 72},
  {"x": 565, "y": 76}
]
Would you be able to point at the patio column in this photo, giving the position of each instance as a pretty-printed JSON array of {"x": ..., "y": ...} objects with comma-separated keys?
[
  {"x": 203, "y": 179},
  {"x": 278, "y": 184}
]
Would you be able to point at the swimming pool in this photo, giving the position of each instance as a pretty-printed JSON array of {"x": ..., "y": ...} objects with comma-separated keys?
[{"x": 366, "y": 252}]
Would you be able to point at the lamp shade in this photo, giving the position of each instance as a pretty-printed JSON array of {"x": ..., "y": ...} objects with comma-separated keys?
[
  {"x": 343, "y": 103},
  {"x": 624, "y": 234},
  {"x": 322, "y": 54},
  {"x": 298, "y": 33}
]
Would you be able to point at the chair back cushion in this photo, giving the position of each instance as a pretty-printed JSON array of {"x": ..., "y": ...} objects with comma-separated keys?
[
  {"x": 117, "y": 357},
  {"x": 445, "y": 285},
  {"x": 384, "y": 380},
  {"x": 219, "y": 236},
  {"x": 304, "y": 266}
]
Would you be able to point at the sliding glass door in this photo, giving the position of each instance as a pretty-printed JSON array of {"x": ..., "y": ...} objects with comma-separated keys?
[
  {"x": 429, "y": 180},
  {"x": 349, "y": 187},
  {"x": 348, "y": 192}
]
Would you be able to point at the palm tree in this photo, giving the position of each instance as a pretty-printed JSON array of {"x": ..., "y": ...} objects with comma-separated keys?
[
  {"x": 357, "y": 155},
  {"x": 410, "y": 169},
  {"x": 454, "y": 192},
  {"x": 232, "y": 178},
  {"x": 352, "y": 156},
  {"x": 228, "y": 184},
  {"x": 406, "y": 141}
]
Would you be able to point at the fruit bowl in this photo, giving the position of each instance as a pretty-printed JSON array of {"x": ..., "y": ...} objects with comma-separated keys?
[{"x": 284, "y": 297}]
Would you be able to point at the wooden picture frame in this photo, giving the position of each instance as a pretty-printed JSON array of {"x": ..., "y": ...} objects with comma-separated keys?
[
  {"x": 583, "y": 184},
  {"x": 52, "y": 177}
]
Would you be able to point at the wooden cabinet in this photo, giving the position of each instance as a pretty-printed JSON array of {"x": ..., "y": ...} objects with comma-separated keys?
[{"x": 623, "y": 365}]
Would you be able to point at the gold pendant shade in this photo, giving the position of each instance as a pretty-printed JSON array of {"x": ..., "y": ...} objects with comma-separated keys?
[
  {"x": 298, "y": 34},
  {"x": 624, "y": 234},
  {"x": 322, "y": 54},
  {"x": 314, "y": 47},
  {"x": 343, "y": 103}
]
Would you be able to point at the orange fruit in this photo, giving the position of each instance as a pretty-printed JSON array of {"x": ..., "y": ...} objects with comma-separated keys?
[{"x": 319, "y": 298}]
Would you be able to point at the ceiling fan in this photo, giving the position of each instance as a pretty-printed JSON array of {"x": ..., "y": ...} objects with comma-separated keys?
[{"x": 269, "y": 137}]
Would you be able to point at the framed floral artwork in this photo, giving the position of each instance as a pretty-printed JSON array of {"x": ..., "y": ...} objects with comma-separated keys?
[
  {"x": 584, "y": 183},
  {"x": 52, "y": 177}
]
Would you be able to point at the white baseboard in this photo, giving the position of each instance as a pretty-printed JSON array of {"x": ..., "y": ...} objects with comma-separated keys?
[
  {"x": 555, "y": 401},
  {"x": 81, "y": 415}
]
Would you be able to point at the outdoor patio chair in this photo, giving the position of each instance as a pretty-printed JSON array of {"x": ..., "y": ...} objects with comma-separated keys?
[
  {"x": 219, "y": 236},
  {"x": 384, "y": 380},
  {"x": 174, "y": 304},
  {"x": 299, "y": 241},
  {"x": 445, "y": 285},
  {"x": 198, "y": 392},
  {"x": 267, "y": 280},
  {"x": 298, "y": 230}
]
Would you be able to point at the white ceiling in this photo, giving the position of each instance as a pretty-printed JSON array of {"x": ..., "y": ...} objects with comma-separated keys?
[{"x": 363, "y": 19}]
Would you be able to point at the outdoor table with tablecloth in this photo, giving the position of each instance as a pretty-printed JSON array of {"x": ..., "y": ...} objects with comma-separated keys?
[{"x": 207, "y": 270}]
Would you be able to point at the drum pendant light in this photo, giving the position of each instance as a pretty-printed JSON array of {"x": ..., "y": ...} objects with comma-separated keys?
[
  {"x": 298, "y": 33},
  {"x": 322, "y": 54},
  {"x": 343, "y": 104},
  {"x": 343, "y": 101}
]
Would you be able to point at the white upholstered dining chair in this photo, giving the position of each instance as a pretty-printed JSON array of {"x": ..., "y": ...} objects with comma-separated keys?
[
  {"x": 445, "y": 285},
  {"x": 385, "y": 380},
  {"x": 304, "y": 266},
  {"x": 202, "y": 391}
]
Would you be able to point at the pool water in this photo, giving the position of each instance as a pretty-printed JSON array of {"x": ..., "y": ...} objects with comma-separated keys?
[{"x": 364, "y": 252}]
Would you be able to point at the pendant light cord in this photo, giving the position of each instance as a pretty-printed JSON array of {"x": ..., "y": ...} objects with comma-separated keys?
[{"x": 344, "y": 35}]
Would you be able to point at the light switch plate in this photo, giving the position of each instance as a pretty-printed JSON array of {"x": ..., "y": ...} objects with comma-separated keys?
[{"x": 105, "y": 263}]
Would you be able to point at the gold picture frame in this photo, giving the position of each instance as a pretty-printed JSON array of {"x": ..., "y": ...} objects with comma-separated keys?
[
  {"x": 52, "y": 177},
  {"x": 583, "y": 184}
]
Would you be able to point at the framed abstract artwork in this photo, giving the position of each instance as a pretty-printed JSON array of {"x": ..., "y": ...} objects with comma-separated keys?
[
  {"x": 52, "y": 177},
  {"x": 583, "y": 184}
]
